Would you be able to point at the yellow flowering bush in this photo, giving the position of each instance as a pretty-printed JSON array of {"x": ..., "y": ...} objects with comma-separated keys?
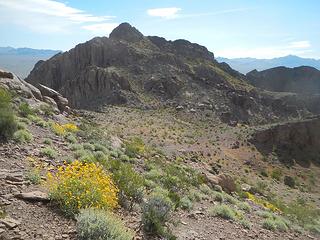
[
  {"x": 63, "y": 129},
  {"x": 81, "y": 185},
  {"x": 262, "y": 202}
]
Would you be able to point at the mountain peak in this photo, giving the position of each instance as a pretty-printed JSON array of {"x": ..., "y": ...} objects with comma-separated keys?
[{"x": 126, "y": 32}]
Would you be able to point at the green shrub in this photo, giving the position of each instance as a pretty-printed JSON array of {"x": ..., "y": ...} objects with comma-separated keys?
[
  {"x": 76, "y": 147},
  {"x": 134, "y": 147},
  {"x": 34, "y": 176},
  {"x": 223, "y": 211},
  {"x": 22, "y": 136},
  {"x": 100, "y": 147},
  {"x": 244, "y": 206},
  {"x": 47, "y": 110},
  {"x": 8, "y": 124},
  {"x": 205, "y": 189},
  {"x": 155, "y": 213},
  {"x": 129, "y": 182},
  {"x": 25, "y": 110},
  {"x": 274, "y": 224},
  {"x": 21, "y": 125},
  {"x": 100, "y": 157},
  {"x": 71, "y": 138},
  {"x": 47, "y": 141},
  {"x": 93, "y": 224},
  {"x": 88, "y": 146},
  {"x": 245, "y": 223},
  {"x": 217, "y": 196},
  {"x": 276, "y": 174},
  {"x": 48, "y": 152},
  {"x": 186, "y": 203}
]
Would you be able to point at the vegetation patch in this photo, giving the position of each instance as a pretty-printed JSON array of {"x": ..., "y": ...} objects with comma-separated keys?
[
  {"x": 95, "y": 224},
  {"x": 82, "y": 185},
  {"x": 8, "y": 124}
]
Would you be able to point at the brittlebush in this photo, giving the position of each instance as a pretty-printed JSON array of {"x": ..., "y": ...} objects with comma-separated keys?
[
  {"x": 81, "y": 185},
  {"x": 63, "y": 129}
]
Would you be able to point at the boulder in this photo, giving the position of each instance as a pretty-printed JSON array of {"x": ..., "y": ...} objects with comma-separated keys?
[
  {"x": 224, "y": 180},
  {"x": 59, "y": 101},
  {"x": 35, "y": 196}
]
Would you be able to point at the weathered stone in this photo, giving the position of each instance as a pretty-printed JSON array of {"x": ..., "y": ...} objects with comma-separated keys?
[
  {"x": 224, "y": 180},
  {"x": 10, "y": 222},
  {"x": 34, "y": 196}
]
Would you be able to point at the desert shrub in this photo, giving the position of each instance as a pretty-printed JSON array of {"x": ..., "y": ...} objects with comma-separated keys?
[
  {"x": 204, "y": 188},
  {"x": 21, "y": 125},
  {"x": 186, "y": 203},
  {"x": 38, "y": 121},
  {"x": 217, "y": 196},
  {"x": 100, "y": 147},
  {"x": 8, "y": 123},
  {"x": 47, "y": 109},
  {"x": 88, "y": 146},
  {"x": 262, "y": 202},
  {"x": 22, "y": 136},
  {"x": 223, "y": 211},
  {"x": 47, "y": 141},
  {"x": 230, "y": 199},
  {"x": 124, "y": 158},
  {"x": 76, "y": 147},
  {"x": 71, "y": 138},
  {"x": 82, "y": 185},
  {"x": 48, "y": 152},
  {"x": 25, "y": 110},
  {"x": 63, "y": 129},
  {"x": 259, "y": 187},
  {"x": 245, "y": 223},
  {"x": 34, "y": 176},
  {"x": 94, "y": 224},
  {"x": 196, "y": 195},
  {"x": 275, "y": 224},
  {"x": 289, "y": 181},
  {"x": 276, "y": 174},
  {"x": 100, "y": 157},
  {"x": 129, "y": 182},
  {"x": 244, "y": 206},
  {"x": 155, "y": 213},
  {"x": 134, "y": 147}
]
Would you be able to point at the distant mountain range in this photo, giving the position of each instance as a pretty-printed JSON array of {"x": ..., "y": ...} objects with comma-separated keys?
[
  {"x": 245, "y": 65},
  {"x": 22, "y": 60}
]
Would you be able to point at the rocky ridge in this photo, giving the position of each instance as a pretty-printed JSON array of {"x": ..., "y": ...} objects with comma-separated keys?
[{"x": 130, "y": 68}]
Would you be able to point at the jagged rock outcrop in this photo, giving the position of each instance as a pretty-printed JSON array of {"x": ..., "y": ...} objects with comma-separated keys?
[
  {"x": 303, "y": 80},
  {"x": 25, "y": 90},
  {"x": 130, "y": 68},
  {"x": 295, "y": 141}
]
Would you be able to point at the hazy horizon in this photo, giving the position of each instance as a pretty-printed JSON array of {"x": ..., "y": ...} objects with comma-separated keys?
[{"x": 231, "y": 29}]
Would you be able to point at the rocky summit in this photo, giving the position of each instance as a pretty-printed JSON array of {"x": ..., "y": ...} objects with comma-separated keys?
[{"x": 130, "y": 68}]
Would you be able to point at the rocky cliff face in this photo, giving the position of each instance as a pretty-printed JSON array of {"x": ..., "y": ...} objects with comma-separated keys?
[
  {"x": 303, "y": 80},
  {"x": 296, "y": 141},
  {"x": 130, "y": 68}
]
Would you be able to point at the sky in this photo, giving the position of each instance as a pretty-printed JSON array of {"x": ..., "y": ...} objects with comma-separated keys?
[{"x": 228, "y": 28}]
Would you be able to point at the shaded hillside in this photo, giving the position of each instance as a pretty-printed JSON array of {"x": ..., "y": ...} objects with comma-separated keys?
[
  {"x": 304, "y": 80},
  {"x": 245, "y": 65},
  {"x": 22, "y": 60}
]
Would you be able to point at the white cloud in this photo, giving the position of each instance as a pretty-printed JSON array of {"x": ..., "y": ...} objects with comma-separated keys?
[
  {"x": 46, "y": 16},
  {"x": 301, "y": 48},
  {"x": 299, "y": 44},
  {"x": 167, "y": 13},
  {"x": 100, "y": 28}
]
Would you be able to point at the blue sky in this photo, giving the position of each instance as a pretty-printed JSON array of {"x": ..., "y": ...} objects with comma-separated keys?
[{"x": 229, "y": 28}]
